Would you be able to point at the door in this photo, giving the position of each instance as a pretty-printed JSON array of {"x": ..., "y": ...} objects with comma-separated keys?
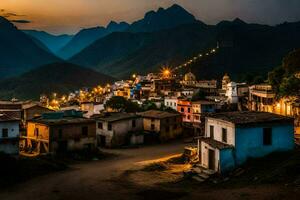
[
  {"x": 211, "y": 159},
  {"x": 102, "y": 141}
]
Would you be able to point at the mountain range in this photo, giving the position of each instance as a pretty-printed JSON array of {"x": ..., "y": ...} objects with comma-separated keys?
[{"x": 243, "y": 47}]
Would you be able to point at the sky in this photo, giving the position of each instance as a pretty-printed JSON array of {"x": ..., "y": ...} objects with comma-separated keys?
[{"x": 69, "y": 16}]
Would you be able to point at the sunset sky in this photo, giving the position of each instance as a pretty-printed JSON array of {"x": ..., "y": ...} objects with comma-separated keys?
[{"x": 69, "y": 16}]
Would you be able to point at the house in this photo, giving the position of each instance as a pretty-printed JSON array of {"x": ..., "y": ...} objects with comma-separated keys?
[
  {"x": 184, "y": 106},
  {"x": 11, "y": 108},
  {"x": 171, "y": 102},
  {"x": 9, "y": 136},
  {"x": 32, "y": 110},
  {"x": 234, "y": 137},
  {"x": 91, "y": 108},
  {"x": 59, "y": 132},
  {"x": 116, "y": 129},
  {"x": 164, "y": 125},
  {"x": 235, "y": 91},
  {"x": 261, "y": 98}
]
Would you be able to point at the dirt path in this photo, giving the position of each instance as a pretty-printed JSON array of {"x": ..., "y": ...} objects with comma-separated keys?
[{"x": 91, "y": 180}]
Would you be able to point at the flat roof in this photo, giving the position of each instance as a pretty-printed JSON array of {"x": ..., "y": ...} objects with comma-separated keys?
[
  {"x": 158, "y": 114},
  {"x": 112, "y": 117},
  {"x": 216, "y": 144},
  {"x": 250, "y": 117}
]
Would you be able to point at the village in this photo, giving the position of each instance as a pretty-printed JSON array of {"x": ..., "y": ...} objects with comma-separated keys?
[
  {"x": 171, "y": 126},
  {"x": 227, "y": 122}
]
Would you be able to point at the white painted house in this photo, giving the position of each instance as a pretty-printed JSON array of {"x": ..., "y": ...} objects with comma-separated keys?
[
  {"x": 117, "y": 129},
  {"x": 9, "y": 135},
  {"x": 171, "y": 102},
  {"x": 234, "y": 137}
]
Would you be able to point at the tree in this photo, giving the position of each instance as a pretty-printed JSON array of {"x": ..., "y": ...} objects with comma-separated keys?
[
  {"x": 291, "y": 62},
  {"x": 121, "y": 104},
  {"x": 200, "y": 95},
  {"x": 289, "y": 86}
]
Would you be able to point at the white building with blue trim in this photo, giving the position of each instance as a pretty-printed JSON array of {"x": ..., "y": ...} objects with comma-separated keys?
[{"x": 232, "y": 138}]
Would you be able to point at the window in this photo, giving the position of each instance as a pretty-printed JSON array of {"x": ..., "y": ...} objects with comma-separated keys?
[
  {"x": 167, "y": 120},
  {"x": 189, "y": 110},
  {"x": 267, "y": 136},
  {"x": 4, "y": 132},
  {"x": 175, "y": 127},
  {"x": 182, "y": 110},
  {"x": 152, "y": 120},
  {"x": 36, "y": 132},
  {"x": 85, "y": 131},
  {"x": 189, "y": 117},
  {"x": 152, "y": 127},
  {"x": 224, "y": 134},
  {"x": 133, "y": 123},
  {"x": 211, "y": 131},
  {"x": 60, "y": 132},
  {"x": 100, "y": 125},
  {"x": 109, "y": 127}
]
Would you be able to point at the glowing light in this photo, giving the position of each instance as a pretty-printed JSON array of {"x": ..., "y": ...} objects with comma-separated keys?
[
  {"x": 134, "y": 76},
  {"x": 166, "y": 72}
]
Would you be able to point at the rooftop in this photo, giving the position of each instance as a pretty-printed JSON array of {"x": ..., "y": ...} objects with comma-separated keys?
[
  {"x": 112, "y": 117},
  {"x": 62, "y": 121},
  {"x": 216, "y": 144},
  {"x": 204, "y": 102},
  {"x": 250, "y": 117},
  {"x": 158, "y": 114},
  {"x": 7, "y": 118}
]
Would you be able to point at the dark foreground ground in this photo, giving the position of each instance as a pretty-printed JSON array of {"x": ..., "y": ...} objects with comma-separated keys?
[{"x": 132, "y": 175}]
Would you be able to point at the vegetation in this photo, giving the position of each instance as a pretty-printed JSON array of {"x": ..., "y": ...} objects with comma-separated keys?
[
  {"x": 119, "y": 104},
  {"x": 283, "y": 78}
]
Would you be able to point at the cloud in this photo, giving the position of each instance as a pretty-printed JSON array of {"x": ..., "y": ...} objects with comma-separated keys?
[
  {"x": 21, "y": 21},
  {"x": 13, "y": 17}
]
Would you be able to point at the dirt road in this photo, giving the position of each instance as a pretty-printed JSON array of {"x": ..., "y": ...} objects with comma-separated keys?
[{"x": 93, "y": 180}]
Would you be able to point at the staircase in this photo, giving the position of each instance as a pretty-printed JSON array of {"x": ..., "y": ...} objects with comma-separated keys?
[{"x": 200, "y": 174}]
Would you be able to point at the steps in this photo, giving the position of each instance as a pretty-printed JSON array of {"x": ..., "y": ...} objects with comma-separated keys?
[{"x": 200, "y": 174}]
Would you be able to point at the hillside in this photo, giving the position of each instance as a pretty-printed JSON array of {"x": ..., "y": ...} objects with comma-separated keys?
[
  {"x": 18, "y": 52},
  {"x": 57, "y": 77},
  {"x": 251, "y": 48},
  {"x": 52, "y": 42},
  {"x": 87, "y": 36},
  {"x": 248, "y": 49},
  {"x": 121, "y": 55}
]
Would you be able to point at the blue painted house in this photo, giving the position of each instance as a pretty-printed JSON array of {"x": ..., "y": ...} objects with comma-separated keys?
[{"x": 232, "y": 138}]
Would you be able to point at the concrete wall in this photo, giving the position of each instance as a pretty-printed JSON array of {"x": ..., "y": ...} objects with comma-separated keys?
[
  {"x": 205, "y": 156},
  {"x": 227, "y": 162},
  {"x": 167, "y": 128},
  {"x": 171, "y": 103},
  {"x": 13, "y": 129},
  {"x": 249, "y": 141},
  {"x": 120, "y": 129},
  {"x": 43, "y": 130},
  {"x": 218, "y": 125},
  {"x": 10, "y": 144}
]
